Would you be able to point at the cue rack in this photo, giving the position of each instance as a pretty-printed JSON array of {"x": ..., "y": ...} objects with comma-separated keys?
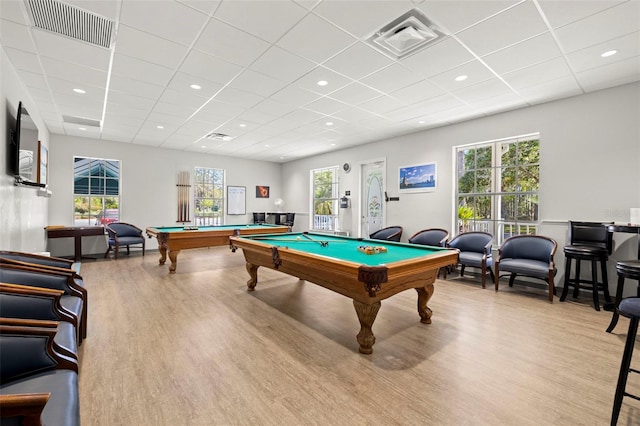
[{"x": 184, "y": 193}]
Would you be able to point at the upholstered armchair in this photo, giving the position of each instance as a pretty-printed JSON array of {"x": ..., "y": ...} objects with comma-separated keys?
[
  {"x": 38, "y": 259},
  {"x": 475, "y": 251},
  {"x": 123, "y": 235},
  {"x": 39, "y": 384},
  {"x": 430, "y": 237},
  {"x": 529, "y": 256},
  {"x": 390, "y": 233}
]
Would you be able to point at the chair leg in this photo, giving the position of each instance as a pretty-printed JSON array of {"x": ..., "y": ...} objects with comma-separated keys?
[
  {"x": 484, "y": 275},
  {"x": 567, "y": 272},
  {"x": 594, "y": 278},
  {"x": 115, "y": 250},
  {"x": 108, "y": 250},
  {"x": 616, "y": 314},
  {"x": 576, "y": 289},
  {"x": 605, "y": 281},
  {"x": 512, "y": 278},
  {"x": 493, "y": 278},
  {"x": 624, "y": 369},
  {"x": 496, "y": 278}
]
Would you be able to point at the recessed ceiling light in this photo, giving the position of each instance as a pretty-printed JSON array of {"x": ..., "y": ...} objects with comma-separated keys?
[
  {"x": 332, "y": 144},
  {"x": 160, "y": 127},
  {"x": 282, "y": 158},
  {"x": 322, "y": 83},
  {"x": 82, "y": 128},
  {"x": 609, "y": 53},
  {"x": 461, "y": 78},
  {"x": 267, "y": 146},
  {"x": 203, "y": 146},
  {"x": 196, "y": 86},
  {"x": 421, "y": 122},
  {"x": 329, "y": 123},
  {"x": 243, "y": 125},
  {"x": 82, "y": 92}
]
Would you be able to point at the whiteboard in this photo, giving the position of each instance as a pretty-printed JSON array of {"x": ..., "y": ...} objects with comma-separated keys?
[{"x": 236, "y": 200}]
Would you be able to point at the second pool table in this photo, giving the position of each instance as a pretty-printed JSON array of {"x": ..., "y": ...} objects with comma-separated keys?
[
  {"x": 172, "y": 239},
  {"x": 339, "y": 264}
]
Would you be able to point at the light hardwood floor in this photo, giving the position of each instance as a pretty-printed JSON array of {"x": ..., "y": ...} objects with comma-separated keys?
[{"x": 195, "y": 348}]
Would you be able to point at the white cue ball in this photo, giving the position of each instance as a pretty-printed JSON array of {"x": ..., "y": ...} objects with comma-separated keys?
[{"x": 297, "y": 238}]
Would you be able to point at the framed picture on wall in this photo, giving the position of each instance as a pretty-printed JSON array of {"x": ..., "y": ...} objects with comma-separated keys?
[
  {"x": 262, "y": 191},
  {"x": 43, "y": 163},
  {"x": 418, "y": 178}
]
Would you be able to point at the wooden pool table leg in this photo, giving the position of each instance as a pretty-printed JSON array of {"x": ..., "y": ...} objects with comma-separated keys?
[
  {"x": 366, "y": 316},
  {"x": 424, "y": 294},
  {"x": 173, "y": 257},
  {"x": 253, "y": 273},
  {"x": 163, "y": 254}
]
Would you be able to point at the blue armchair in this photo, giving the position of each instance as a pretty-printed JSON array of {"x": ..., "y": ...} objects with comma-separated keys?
[
  {"x": 390, "y": 233},
  {"x": 123, "y": 235},
  {"x": 530, "y": 256},
  {"x": 431, "y": 237},
  {"x": 475, "y": 251}
]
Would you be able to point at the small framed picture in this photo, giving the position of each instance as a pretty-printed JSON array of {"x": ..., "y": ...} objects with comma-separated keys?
[
  {"x": 262, "y": 191},
  {"x": 418, "y": 178}
]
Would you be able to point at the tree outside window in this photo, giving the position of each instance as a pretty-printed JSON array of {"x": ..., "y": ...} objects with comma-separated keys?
[
  {"x": 209, "y": 196},
  {"x": 325, "y": 198},
  {"x": 96, "y": 189}
]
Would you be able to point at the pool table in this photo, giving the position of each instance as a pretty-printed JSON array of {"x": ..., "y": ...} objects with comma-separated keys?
[
  {"x": 172, "y": 239},
  {"x": 341, "y": 264}
]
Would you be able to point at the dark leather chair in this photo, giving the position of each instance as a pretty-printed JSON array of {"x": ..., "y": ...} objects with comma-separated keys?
[
  {"x": 390, "y": 233},
  {"x": 591, "y": 242},
  {"x": 123, "y": 235},
  {"x": 74, "y": 299},
  {"x": 529, "y": 256},
  {"x": 629, "y": 308},
  {"x": 475, "y": 251},
  {"x": 289, "y": 219},
  {"x": 431, "y": 237},
  {"x": 38, "y": 259},
  {"x": 39, "y": 384},
  {"x": 259, "y": 217},
  {"x": 626, "y": 269}
]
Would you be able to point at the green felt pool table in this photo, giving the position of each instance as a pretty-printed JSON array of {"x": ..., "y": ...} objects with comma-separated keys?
[
  {"x": 172, "y": 239},
  {"x": 339, "y": 264}
]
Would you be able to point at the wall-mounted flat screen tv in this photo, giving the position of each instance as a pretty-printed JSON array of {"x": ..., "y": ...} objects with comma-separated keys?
[{"x": 24, "y": 148}]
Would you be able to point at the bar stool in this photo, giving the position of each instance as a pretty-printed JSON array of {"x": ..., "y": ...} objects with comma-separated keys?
[
  {"x": 629, "y": 308},
  {"x": 626, "y": 269},
  {"x": 590, "y": 241}
]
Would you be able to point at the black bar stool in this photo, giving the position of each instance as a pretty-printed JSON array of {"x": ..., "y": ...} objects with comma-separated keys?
[
  {"x": 590, "y": 241},
  {"x": 626, "y": 269},
  {"x": 629, "y": 308}
]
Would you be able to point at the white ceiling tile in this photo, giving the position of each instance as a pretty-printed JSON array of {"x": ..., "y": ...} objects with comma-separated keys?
[
  {"x": 181, "y": 99},
  {"x": 508, "y": 27},
  {"x": 206, "y": 6},
  {"x": 249, "y": 16},
  {"x": 33, "y": 79},
  {"x": 64, "y": 88},
  {"x": 417, "y": 92},
  {"x": 439, "y": 57},
  {"x": 362, "y": 18},
  {"x": 224, "y": 41},
  {"x": 326, "y": 106},
  {"x": 617, "y": 73},
  {"x": 294, "y": 95},
  {"x": 181, "y": 82},
  {"x": 532, "y": 51},
  {"x": 484, "y": 90},
  {"x": 551, "y": 89},
  {"x": 609, "y": 24},
  {"x": 105, "y": 8},
  {"x": 14, "y": 11},
  {"x": 257, "y": 83},
  {"x": 210, "y": 68},
  {"x": 74, "y": 73},
  {"x": 392, "y": 78},
  {"x": 170, "y": 109},
  {"x": 177, "y": 142},
  {"x": 73, "y": 51},
  {"x": 127, "y": 66},
  {"x": 238, "y": 97},
  {"x": 455, "y": 15},
  {"x": 122, "y": 98},
  {"x": 538, "y": 74},
  {"x": 258, "y": 117},
  {"x": 560, "y": 13},
  {"x": 315, "y": 48},
  {"x": 369, "y": 61},
  {"x": 505, "y": 102},
  {"x": 354, "y": 115},
  {"x": 355, "y": 93},
  {"x": 135, "y": 87},
  {"x": 22, "y": 60},
  {"x": 438, "y": 104},
  {"x": 113, "y": 121},
  {"x": 16, "y": 36},
  {"x": 270, "y": 63},
  {"x": 222, "y": 109},
  {"x": 148, "y": 47},
  {"x": 88, "y": 132},
  {"x": 382, "y": 104},
  {"x": 161, "y": 118},
  {"x": 475, "y": 72},
  {"x": 168, "y": 19},
  {"x": 126, "y": 110},
  {"x": 310, "y": 81},
  {"x": 627, "y": 46}
]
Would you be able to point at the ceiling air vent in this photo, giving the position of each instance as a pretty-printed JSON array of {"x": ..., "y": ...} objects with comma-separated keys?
[
  {"x": 406, "y": 34},
  {"x": 80, "y": 120},
  {"x": 218, "y": 137},
  {"x": 71, "y": 21}
]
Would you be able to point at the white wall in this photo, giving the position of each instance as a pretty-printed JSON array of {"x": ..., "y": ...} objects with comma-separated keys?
[
  {"x": 590, "y": 166},
  {"x": 23, "y": 215},
  {"x": 149, "y": 177}
]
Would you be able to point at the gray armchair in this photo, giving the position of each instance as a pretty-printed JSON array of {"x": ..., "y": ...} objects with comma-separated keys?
[
  {"x": 123, "y": 235},
  {"x": 390, "y": 233},
  {"x": 475, "y": 251},
  {"x": 530, "y": 256}
]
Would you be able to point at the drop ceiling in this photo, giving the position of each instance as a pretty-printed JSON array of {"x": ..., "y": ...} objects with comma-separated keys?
[{"x": 259, "y": 64}]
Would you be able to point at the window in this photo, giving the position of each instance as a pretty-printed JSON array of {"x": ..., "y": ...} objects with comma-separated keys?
[
  {"x": 209, "y": 196},
  {"x": 325, "y": 198},
  {"x": 497, "y": 187},
  {"x": 96, "y": 191}
]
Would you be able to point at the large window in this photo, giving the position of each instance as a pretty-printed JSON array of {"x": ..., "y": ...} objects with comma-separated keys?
[
  {"x": 325, "y": 198},
  {"x": 96, "y": 191},
  {"x": 209, "y": 196},
  {"x": 497, "y": 187}
]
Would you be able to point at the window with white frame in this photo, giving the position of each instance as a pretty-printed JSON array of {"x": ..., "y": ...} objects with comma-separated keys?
[
  {"x": 497, "y": 187},
  {"x": 324, "y": 190},
  {"x": 209, "y": 196},
  {"x": 96, "y": 191}
]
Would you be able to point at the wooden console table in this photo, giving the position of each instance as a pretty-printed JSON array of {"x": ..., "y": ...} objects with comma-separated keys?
[{"x": 75, "y": 232}]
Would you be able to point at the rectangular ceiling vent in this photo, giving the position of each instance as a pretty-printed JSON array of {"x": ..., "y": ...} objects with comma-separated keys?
[
  {"x": 81, "y": 120},
  {"x": 406, "y": 35},
  {"x": 70, "y": 21},
  {"x": 218, "y": 137}
]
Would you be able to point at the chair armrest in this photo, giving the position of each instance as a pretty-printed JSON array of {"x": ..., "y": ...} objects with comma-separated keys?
[
  {"x": 28, "y": 405},
  {"x": 53, "y": 268}
]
